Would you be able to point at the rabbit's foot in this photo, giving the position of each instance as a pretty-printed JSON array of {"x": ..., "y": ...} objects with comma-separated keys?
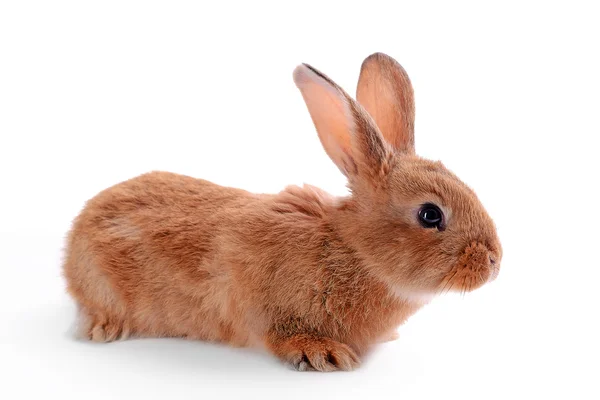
[
  {"x": 306, "y": 352},
  {"x": 99, "y": 327}
]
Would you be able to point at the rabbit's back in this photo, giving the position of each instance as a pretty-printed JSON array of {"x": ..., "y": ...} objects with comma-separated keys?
[{"x": 141, "y": 258}]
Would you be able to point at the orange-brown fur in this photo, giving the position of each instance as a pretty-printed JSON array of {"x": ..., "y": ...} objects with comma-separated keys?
[{"x": 315, "y": 279}]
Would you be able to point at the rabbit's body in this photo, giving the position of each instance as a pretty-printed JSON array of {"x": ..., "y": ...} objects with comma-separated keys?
[
  {"x": 170, "y": 255},
  {"x": 315, "y": 279}
]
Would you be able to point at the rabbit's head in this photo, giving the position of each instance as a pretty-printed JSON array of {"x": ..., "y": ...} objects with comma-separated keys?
[{"x": 416, "y": 225}]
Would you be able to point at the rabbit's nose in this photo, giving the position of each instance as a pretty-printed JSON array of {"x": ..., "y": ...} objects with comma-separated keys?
[{"x": 494, "y": 267}]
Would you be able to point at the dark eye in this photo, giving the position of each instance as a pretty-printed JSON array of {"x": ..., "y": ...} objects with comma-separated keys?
[{"x": 430, "y": 216}]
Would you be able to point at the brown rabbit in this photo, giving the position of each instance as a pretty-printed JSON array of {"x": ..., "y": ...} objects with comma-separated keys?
[{"x": 315, "y": 279}]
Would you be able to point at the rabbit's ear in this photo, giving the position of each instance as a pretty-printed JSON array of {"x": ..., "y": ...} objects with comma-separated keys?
[
  {"x": 385, "y": 91},
  {"x": 347, "y": 132}
]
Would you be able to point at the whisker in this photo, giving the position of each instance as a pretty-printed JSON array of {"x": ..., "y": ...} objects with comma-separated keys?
[
  {"x": 450, "y": 288},
  {"x": 450, "y": 281},
  {"x": 445, "y": 283}
]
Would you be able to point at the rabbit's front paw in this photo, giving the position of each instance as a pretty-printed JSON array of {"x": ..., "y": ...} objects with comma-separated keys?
[{"x": 305, "y": 353}]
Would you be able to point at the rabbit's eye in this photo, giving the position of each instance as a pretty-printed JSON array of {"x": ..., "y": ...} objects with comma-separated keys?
[{"x": 430, "y": 216}]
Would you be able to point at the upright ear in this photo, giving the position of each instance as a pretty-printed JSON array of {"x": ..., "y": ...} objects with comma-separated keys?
[
  {"x": 385, "y": 91},
  {"x": 347, "y": 132}
]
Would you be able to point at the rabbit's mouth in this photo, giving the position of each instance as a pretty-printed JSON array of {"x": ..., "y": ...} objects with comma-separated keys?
[{"x": 476, "y": 266}]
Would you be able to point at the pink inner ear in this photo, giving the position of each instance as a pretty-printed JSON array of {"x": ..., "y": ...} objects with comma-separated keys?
[
  {"x": 385, "y": 91},
  {"x": 329, "y": 109}
]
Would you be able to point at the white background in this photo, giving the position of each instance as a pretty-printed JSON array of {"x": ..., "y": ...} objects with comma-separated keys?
[{"x": 92, "y": 93}]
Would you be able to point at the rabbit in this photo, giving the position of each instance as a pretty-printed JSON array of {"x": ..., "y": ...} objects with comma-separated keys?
[{"x": 314, "y": 279}]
